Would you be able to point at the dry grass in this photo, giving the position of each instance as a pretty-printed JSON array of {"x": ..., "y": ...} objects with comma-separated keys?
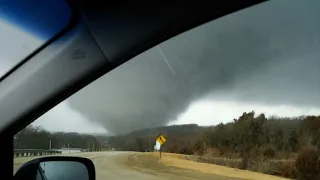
[
  {"x": 233, "y": 163},
  {"x": 179, "y": 161},
  {"x": 260, "y": 164},
  {"x": 17, "y": 162},
  {"x": 150, "y": 163}
]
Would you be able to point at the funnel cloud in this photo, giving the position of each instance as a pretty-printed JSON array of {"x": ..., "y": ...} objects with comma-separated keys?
[{"x": 267, "y": 54}]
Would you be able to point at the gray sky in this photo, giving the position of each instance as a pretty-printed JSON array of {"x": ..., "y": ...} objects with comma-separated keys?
[{"x": 264, "y": 58}]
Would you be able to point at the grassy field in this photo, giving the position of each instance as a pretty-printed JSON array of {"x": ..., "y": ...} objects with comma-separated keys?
[
  {"x": 175, "y": 165},
  {"x": 182, "y": 162},
  {"x": 17, "y": 162},
  {"x": 147, "y": 163}
]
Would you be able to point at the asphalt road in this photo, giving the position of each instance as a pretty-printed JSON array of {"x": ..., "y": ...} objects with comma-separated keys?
[
  {"x": 136, "y": 166},
  {"x": 108, "y": 165}
]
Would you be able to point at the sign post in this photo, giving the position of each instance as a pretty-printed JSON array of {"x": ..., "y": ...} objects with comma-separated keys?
[
  {"x": 157, "y": 147},
  {"x": 160, "y": 140}
]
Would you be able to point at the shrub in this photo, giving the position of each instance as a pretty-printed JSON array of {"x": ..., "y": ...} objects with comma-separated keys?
[
  {"x": 215, "y": 152},
  {"x": 225, "y": 151},
  {"x": 288, "y": 170},
  {"x": 244, "y": 162},
  {"x": 174, "y": 149},
  {"x": 186, "y": 150},
  {"x": 285, "y": 169},
  {"x": 269, "y": 152},
  {"x": 198, "y": 148},
  {"x": 255, "y": 153},
  {"x": 308, "y": 164},
  {"x": 258, "y": 165}
]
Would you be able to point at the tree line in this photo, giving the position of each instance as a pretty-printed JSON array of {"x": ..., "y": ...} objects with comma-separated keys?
[
  {"x": 33, "y": 137},
  {"x": 286, "y": 147}
]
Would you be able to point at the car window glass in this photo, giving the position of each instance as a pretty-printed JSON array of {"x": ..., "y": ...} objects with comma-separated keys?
[
  {"x": 24, "y": 27},
  {"x": 241, "y": 91}
]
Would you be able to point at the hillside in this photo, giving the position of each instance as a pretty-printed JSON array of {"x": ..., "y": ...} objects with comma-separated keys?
[
  {"x": 143, "y": 140},
  {"x": 185, "y": 129}
]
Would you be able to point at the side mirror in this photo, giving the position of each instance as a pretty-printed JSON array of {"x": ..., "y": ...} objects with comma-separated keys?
[{"x": 57, "y": 168}]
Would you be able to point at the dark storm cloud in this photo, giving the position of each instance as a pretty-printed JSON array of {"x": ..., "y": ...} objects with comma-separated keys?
[{"x": 268, "y": 54}]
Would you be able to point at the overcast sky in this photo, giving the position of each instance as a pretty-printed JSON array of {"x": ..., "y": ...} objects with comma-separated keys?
[{"x": 264, "y": 58}]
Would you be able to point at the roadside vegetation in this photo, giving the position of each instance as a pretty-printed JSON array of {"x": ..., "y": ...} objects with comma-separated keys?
[{"x": 286, "y": 147}]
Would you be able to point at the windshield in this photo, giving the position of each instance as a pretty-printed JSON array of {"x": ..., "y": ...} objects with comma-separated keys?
[
  {"x": 24, "y": 27},
  {"x": 240, "y": 92}
]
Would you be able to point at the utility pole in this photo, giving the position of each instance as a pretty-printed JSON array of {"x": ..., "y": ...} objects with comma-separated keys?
[{"x": 50, "y": 145}]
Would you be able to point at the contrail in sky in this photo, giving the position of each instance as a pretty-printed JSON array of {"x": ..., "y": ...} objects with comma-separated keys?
[{"x": 166, "y": 60}]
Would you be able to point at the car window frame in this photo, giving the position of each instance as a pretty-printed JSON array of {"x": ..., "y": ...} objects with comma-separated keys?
[{"x": 6, "y": 134}]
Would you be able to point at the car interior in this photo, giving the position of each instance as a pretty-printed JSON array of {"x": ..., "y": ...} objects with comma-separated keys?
[{"x": 100, "y": 36}]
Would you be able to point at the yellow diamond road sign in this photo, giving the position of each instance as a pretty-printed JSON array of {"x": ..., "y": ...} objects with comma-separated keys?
[{"x": 161, "y": 139}]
